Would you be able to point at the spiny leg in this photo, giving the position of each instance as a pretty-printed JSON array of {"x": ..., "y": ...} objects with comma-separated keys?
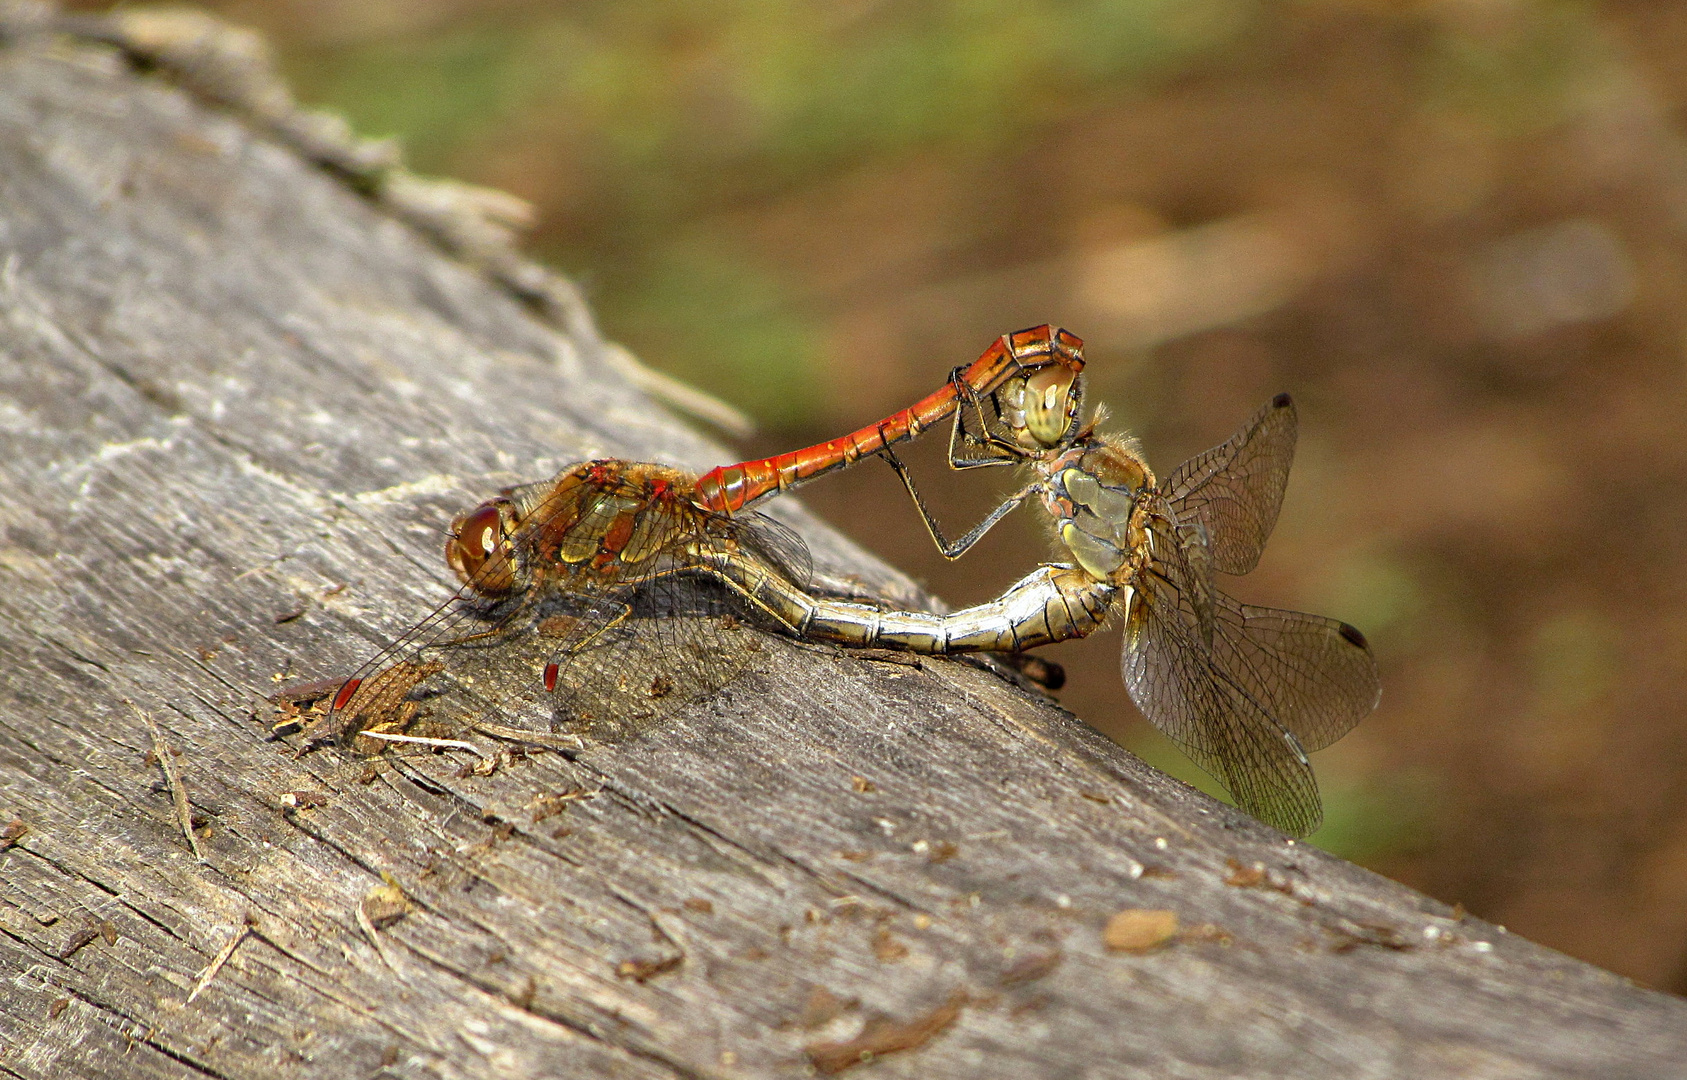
[{"x": 955, "y": 549}]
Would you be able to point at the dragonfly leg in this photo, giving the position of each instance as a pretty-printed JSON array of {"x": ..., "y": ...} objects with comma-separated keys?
[
  {"x": 986, "y": 446},
  {"x": 751, "y": 594},
  {"x": 620, "y": 617},
  {"x": 554, "y": 668},
  {"x": 957, "y": 548},
  {"x": 745, "y": 577}
]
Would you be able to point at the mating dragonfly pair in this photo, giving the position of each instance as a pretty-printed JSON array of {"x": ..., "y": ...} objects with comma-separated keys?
[{"x": 598, "y": 597}]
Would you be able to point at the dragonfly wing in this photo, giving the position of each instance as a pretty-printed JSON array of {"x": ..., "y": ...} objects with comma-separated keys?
[
  {"x": 1235, "y": 490},
  {"x": 775, "y": 544},
  {"x": 1316, "y": 676},
  {"x": 1184, "y": 689},
  {"x": 648, "y": 648},
  {"x": 462, "y": 656}
]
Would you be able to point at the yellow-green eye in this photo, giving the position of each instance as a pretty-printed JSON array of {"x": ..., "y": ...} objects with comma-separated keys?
[{"x": 1049, "y": 399}]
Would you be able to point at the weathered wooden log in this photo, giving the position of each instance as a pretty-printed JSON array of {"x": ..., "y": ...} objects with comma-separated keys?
[{"x": 240, "y": 399}]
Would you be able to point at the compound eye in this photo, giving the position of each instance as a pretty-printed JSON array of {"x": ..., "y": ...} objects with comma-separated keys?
[
  {"x": 479, "y": 551},
  {"x": 1050, "y": 401}
]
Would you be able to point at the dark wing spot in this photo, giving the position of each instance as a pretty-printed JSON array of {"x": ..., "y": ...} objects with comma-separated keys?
[
  {"x": 1353, "y": 636},
  {"x": 1281, "y": 401}
]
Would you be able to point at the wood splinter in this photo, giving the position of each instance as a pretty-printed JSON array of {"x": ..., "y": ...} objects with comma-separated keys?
[
  {"x": 178, "y": 791},
  {"x": 222, "y": 957}
]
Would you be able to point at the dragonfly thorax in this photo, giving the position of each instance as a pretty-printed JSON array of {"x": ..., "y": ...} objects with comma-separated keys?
[{"x": 1094, "y": 493}]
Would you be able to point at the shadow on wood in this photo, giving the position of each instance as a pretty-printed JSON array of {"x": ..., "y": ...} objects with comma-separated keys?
[{"x": 240, "y": 403}]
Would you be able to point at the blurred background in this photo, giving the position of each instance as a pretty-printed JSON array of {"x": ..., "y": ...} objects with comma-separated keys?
[{"x": 1456, "y": 231}]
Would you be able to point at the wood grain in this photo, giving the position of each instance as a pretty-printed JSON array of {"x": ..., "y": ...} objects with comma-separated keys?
[{"x": 239, "y": 402}]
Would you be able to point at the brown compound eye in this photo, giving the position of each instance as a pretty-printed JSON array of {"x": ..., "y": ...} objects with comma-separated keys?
[{"x": 479, "y": 550}]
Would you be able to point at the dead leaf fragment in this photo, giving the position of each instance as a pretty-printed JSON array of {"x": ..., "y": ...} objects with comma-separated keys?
[
  {"x": 1255, "y": 877},
  {"x": 1139, "y": 930},
  {"x": 77, "y": 940},
  {"x": 1031, "y": 968},
  {"x": 887, "y": 948},
  {"x": 14, "y": 831},
  {"x": 882, "y": 1035},
  {"x": 822, "y": 1008},
  {"x": 1244, "y": 877},
  {"x": 640, "y": 970},
  {"x": 385, "y": 904},
  {"x": 549, "y": 806},
  {"x": 303, "y": 800}
]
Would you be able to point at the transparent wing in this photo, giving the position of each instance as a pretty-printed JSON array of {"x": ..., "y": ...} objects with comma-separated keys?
[
  {"x": 1315, "y": 676},
  {"x": 377, "y": 691},
  {"x": 474, "y": 658},
  {"x": 605, "y": 663},
  {"x": 667, "y": 641},
  {"x": 1185, "y": 689},
  {"x": 774, "y": 544},
  {"x": 1235, "y": 490},
  {"x": 675, "y": 630}
]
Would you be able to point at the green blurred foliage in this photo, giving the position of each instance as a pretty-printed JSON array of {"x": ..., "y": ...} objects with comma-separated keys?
[
  {"x": 1520, "y": 67},
  {"x": 1368, "y": 819},
  {"x": 1384, "y": 816},
  {"x": 656, "y": 119}
]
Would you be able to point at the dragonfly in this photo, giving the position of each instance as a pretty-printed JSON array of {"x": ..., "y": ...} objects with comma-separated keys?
[
  {"x": 1246, "y": 692},
  {"x": 623, "y": 583},
  {"x": 1030, "y": 377}
]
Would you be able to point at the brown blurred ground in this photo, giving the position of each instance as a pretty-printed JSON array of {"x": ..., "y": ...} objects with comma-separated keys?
[{"x": 1454, "y": 231}]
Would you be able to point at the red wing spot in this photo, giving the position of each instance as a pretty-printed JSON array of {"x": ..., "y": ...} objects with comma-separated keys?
[
  {"x": 1353, "y": 636},
  {"x": 343, "y": 698},
  {"x": 552, "y": 669}
]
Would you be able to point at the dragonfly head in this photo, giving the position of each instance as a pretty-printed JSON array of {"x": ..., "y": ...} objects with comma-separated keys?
[
  {"x": 1043, "y": 406},
  {"x": 479, "y": 548}
]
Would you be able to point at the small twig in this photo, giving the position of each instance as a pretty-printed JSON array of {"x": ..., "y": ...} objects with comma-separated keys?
[
  {"x": 512, "y": 734},
  {"x": 375, "y": 940},
  {"x": 221, "y": 958},
  {"x": 443, "y": 744},
  {"x": 178, "y": 791}
]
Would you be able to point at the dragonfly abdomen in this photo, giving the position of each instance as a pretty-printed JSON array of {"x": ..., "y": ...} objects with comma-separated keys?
[{"x": 1052, "y": 603}]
